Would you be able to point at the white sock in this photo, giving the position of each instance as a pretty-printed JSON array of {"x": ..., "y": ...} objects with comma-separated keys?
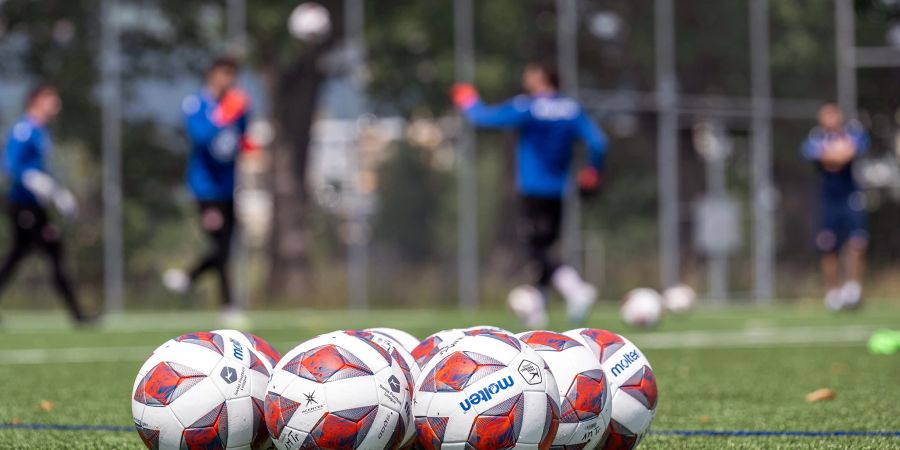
[{"x": 567, "y": 281}]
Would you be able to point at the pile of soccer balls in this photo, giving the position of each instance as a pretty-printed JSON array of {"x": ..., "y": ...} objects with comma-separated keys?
[{"x": 479, "y": 388}]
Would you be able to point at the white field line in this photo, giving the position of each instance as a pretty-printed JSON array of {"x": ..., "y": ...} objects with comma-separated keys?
[{"x": 750, "y": 338}]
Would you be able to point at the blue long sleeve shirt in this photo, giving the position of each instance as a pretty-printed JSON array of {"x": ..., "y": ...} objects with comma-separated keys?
[
  {"x": 214, "y": 149},
  {"x": 27, "y": 148},
  {"x": 835, "y": 186},
  {"x": 548, "y": 127}
]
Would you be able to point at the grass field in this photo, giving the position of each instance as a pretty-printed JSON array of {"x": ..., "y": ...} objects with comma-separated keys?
[{"x": 730, "y": 370}]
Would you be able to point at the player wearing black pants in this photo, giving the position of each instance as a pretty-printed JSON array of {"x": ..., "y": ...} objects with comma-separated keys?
[
  {"x": 216, "y": 120},
  {"x": 32, "y": 229},
  {"x": 33, "y": 189},
  {"x": 538, "y": 229},
  {"x": 218, "y": 220},
  {"x": 548, "y": 125}
]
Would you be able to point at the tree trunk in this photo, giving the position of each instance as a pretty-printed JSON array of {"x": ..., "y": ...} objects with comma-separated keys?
[{"x": 295, "y": 101}]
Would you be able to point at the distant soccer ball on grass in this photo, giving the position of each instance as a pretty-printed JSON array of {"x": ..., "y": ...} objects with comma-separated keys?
[
  {"x": 339, "y": 390},
  {"x": 310, "y": 22},
  {"x": 642, "y": 308},
  {"x": 486, "y": 392},
  {"x": 631, "y": 382},
  {"x": 680, "y": 299},
  {"x": 585, "y": 401},
  {"x": 202, "y": 390}
]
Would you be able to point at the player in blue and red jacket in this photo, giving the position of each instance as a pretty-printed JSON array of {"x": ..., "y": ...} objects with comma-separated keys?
[
  {"x": 216, "y": 120},
  {"x": 834, "y": 146},
  {"x": 548, "y": 124},
  {"x": 28, "y": 148}
]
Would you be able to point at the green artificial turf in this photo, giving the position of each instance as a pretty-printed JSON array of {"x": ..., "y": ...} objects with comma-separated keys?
[{"x": 722, "y": 370}]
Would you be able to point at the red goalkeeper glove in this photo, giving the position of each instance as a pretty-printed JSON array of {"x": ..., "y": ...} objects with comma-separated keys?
[
  {"x": 233, "y": 105},
  {"x": 464, "y": 95},
  {"x": 589, "y": 181}
]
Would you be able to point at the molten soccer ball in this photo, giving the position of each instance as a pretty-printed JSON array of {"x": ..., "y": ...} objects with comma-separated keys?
[
  {"x": 642, "y": 307},
  {"x": 310, "y": 22},
  {"x": 339, "y": 390},
  {"x": 486, "y": 392},
  {"x": 406, "y": 340},
  {"x": 432, "y": 344},
  {"x": 410, "y": 371},
  {"x": 631, "y": 383},
  {"x": 255, "y": 342},
  {"x": 201, "y": 390},
  {"x": 679, "y": 299},
  {"x": 585, "y": 400}
]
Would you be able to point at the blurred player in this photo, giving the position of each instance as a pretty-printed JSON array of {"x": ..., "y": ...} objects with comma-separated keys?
[
  {"x": 833, "y": 146},
  {"x": 28, "y": 148},
  {"x": 548, "y": 125},
  {"x": 216, "y": 120}
]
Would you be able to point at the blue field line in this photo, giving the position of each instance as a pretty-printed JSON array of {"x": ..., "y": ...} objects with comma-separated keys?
[
  {"x": 767, "y": 433},
  {"x": 682, "y": 433}
]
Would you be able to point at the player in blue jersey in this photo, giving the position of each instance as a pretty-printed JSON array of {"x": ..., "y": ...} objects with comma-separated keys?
[
  {"x": 34, "y": 190},
  {"x": 216, "y": 120},
  {"x": 548, "y": 125},
  {"x": 834, "y": 146}
]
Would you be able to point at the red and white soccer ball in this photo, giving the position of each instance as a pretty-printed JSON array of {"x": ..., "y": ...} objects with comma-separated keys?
[
  {"x": 482, "y": 392},
  {"x": 434, "y": 343},
  {"x": 406, "y": 340},
  {"x": 202, "y": 390},
  {"x": 339, "y": 390},
  {"x": 410, "y": 371},
  {"x": 310, "y": 22},
  {"x": 585, "y": 400},
  {"x": 642, "y": 307},
  {"x": 631, "y": 383}
]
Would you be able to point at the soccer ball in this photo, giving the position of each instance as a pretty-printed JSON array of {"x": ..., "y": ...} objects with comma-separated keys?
[
  {"x": 432, "y": 344},
  {"x": 410, "y": 371},
  {"x": 310, "y": 22},
  {"x": 201, "y": 390},
  {"x": 584, "y": 396},
  {"x": 486, "y": 392},
  {"x": 679, "y": 299},
  {"x": 255, "y": 342},
  {"x": 631, "y": 383},
  {"x": 339, "y": 390},
  {"x": 406, "y": 340},
  {"x": 642, "y": 307}
]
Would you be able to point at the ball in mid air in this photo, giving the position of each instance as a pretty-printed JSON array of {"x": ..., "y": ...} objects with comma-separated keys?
[
  {"x": 339, "y": 390},
  {"x": 486, "y": 392},
  {"x": 631, "y": 382},
  {"x": 202, "y": 390},
  {"x": 310, "y": 22}
]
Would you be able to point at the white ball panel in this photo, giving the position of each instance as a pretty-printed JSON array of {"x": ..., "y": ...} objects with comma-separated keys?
[
  {"x": 170, "y": 428},
  {"x": 196, "y": 402},
  {"x": 313, "y": 403},
  {"x": 240, "y": 422}
]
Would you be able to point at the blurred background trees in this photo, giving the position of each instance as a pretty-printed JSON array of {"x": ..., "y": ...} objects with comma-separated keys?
[{"x": 409, "y": 52}]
